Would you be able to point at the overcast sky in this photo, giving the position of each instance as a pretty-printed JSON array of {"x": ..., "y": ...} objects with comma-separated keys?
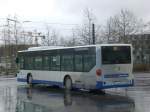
[{"x": 71, "y": 11}]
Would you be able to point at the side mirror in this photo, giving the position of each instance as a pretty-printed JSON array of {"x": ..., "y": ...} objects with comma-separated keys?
[{"x": 17, "y": 60}]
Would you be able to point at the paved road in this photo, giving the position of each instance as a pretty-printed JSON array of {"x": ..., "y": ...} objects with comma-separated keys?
[{"x": 18, "y": 97}]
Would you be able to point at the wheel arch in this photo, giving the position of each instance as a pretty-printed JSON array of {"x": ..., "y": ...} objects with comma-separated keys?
[
  {"x": 28, "y": 75},
  {"x": 67, "y": 75}
]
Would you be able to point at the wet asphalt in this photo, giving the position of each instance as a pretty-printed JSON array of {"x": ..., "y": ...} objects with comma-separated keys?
[{"x": 19, "y": 97}]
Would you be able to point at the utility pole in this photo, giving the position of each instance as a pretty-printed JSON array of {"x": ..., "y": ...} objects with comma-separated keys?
[
  {"x": 93, "y": 33},
  {"x": 15, "y": 48},
  {"x": 15, "y": 32},
  {"x": 15, "y": 29},
  {"x": 7, "y": 47},
  {"x": 8, "y": 33},
  {"x": 108, "y": 38},
  {"x": 5, "y": 52}
]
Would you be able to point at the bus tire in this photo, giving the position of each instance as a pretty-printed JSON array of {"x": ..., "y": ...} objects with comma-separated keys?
[
  {"x": 68, "y": 83},
  {"x": 29, "y": 79}
]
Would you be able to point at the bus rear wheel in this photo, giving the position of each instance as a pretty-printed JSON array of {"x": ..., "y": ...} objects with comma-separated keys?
[{"x": 68, "y": 83}]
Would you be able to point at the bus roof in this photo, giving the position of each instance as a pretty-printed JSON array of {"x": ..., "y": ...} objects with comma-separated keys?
[{"x": 62, "y": 47}]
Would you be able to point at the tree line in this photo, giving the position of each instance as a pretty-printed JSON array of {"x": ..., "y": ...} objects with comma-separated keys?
[{"x": 115, "y": 30}]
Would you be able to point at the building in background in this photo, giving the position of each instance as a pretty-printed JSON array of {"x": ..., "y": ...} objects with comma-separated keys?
[{"x": 141, "y": 50}]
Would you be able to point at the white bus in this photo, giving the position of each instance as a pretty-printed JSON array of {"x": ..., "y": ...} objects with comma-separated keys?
[{"x": 87, "y": 67}]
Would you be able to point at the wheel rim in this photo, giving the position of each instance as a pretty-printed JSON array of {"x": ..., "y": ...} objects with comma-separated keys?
[{"x": 68, "y": 83}]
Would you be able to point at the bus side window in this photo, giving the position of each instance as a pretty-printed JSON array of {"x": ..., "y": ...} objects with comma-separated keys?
[
  {"x": 67, "y": 63},
  {"x": 78, "y": 63},
  {"x": 55, "y": 63},
  {"x": 38, "y": 63},
  {"x": 89, "y": 62},
  {"x": 21, "y": 63},
  {"x": 29, "y": 63},
  {"x": 46, "y": 63}
]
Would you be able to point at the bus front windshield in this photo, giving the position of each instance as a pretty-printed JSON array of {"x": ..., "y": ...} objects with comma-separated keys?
[{"x": 116, "y": 54}]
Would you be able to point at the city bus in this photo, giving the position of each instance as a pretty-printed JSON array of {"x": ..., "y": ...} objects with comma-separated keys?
[{"x": 91, "y": 67}]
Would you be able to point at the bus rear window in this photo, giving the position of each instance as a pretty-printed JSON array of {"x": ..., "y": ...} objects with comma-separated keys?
[{"x": 116, "y": 54}]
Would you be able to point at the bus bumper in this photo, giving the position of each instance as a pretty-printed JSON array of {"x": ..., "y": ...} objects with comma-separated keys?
[{"x": 100, "y": 85}]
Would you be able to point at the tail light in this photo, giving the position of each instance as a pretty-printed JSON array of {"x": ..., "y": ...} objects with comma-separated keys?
[{"x": 98, "y": 72}]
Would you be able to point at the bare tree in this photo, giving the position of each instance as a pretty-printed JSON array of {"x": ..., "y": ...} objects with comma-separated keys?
[
  {"x": 121, "y": 25},
  {"x": 51, "y": 37},
  {"x": 145, "y": 27},
  {"x": 110, "y": 31},
  {"x": 72, "y": 40},
  {"x": 85, "y": 31},
  {"x": 127, "y": 23},
  {"x": 62, "y": 41}
]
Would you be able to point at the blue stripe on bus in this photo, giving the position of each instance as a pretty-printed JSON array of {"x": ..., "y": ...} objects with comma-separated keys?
[
  {"x": 42, "y": 82},
  {"x": 21, "y": 80},
  {"x": 99, "y": 85},
  {"x": 115, "y": 75}
]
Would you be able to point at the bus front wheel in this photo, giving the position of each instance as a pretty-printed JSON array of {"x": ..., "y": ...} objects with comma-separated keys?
[
  {"x": 29, "y": 79},
  {"x": 68, "y": 83}
]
